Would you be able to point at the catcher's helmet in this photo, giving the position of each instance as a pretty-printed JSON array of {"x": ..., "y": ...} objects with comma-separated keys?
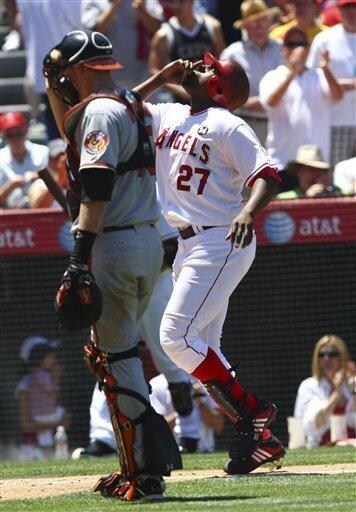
[
  {"x": 229, "y": 86},
  {"x": 93, "y": 49}
]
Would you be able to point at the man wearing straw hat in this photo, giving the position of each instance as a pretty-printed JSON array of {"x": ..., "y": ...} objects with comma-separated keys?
[
  {"x": 313, "y": 175},
  {"x": 258, "y": 54}
]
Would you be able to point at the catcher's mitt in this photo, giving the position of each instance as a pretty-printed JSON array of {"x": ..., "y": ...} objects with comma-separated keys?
[{"x": 78, "y": 301}]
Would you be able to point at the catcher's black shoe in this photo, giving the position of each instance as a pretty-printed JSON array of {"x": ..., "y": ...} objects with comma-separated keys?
[
  {"x": 148, "y": 488},
  {"x": 181, "y": 393},
  {"x": 97, "y": 449},
  {"x": 267, "y": 450},
  {"x": 247, "y": 433},
  {"x": 143, "y": 489}
]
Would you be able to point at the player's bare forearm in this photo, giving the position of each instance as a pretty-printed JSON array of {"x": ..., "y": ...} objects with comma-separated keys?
[
  {"x": 263, "y": 190},
  {"x": 91, "y": 215},
  {"x": 173, "y": 74},
  {"x": 149, "y": 86},
  {"x": 241, "y": 229}
]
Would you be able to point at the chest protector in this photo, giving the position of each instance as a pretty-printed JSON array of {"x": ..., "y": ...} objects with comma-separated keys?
[{"x": 142, "y": 158}]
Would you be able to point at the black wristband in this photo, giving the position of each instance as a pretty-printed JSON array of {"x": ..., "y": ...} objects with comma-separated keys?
[{"x": 83, "y": 244}]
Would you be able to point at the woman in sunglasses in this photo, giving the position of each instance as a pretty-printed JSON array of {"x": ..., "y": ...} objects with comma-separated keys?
[{"x": 330, "y": 390}]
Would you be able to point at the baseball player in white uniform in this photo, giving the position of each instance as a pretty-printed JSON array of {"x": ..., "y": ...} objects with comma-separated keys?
[{"x": 204, "y": 157}]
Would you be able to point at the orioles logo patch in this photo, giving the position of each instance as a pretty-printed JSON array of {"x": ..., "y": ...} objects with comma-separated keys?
[{"x": 96, "y": 142}]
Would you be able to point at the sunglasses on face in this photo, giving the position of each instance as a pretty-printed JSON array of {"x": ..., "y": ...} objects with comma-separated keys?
[
  {"x": 295, "y": 44},
  {"x": 332, "y": 354}
]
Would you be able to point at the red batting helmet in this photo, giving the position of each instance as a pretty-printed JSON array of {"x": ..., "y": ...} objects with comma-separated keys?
[{"x": 229, "y": 86}]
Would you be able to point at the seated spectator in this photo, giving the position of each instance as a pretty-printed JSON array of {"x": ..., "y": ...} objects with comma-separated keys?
[
  {"x": 257, "y": 54},
  {"x": 20, "y": 160},
  {"x": 194, "y": 432},
  {"x": 297, "y": 100},
  {"x": 345, "y": 176},
  {"x": 127, "y": 24},
  {"x": 340, "y": 42},
  {"x": 330, "y": 390},
  {"x": 306, "y": 15},
  {"x": 38, "y": 394},
  {"x": 312, "y": 174},
  {"x": 185, "y": 36},
  {"x": 39, "y": 194}
]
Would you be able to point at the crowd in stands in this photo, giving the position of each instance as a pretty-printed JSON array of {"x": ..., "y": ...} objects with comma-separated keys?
[{"x": 299, "y": 55}]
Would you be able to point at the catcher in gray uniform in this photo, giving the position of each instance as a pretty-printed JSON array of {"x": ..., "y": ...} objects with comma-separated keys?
[{"x": 113, "y": 199}]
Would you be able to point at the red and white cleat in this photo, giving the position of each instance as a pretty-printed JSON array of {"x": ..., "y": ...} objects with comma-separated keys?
[
  {"x": 269, "y": 449},
  {"x": 248, "y": 433}
]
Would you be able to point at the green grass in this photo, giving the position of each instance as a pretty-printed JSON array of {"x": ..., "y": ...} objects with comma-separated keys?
[
  {"x": 28, "y": 469},
  {"x": 272, "y": 492},
  {"x": 263, "y": 493}
]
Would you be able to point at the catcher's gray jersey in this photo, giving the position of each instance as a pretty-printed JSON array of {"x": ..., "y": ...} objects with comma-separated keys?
[{"x": 106, "y": 136}]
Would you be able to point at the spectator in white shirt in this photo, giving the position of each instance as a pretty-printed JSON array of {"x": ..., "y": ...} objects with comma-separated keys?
[
  {"x": 257, "y": 54},
  {"x": 20, "y": 161},
  {"x": 345, "y": 176},
  {"x": 340, "y": 42},
  {"x": 330, "y": 390},
  {"x": 297, "y": 100}
]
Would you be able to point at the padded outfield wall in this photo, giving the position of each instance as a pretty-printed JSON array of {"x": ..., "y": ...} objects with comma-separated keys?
[{"x": 300, "y": 287}]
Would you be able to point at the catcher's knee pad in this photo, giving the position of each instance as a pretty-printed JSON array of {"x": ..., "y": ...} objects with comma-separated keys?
[{"x": 161, "y": 452}]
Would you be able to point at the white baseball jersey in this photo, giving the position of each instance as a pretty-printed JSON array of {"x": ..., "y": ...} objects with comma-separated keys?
[{"x": 208, "y": 157}]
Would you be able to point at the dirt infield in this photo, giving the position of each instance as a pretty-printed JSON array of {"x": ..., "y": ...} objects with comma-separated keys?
[{"x": 41, "y": 487}]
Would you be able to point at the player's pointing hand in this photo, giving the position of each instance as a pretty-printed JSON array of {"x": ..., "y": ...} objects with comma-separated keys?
[
  {"x": 176, "y": 71},
  {"x": 241, "y": 230}
]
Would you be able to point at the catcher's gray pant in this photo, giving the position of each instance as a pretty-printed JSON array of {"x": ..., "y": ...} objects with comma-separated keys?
[{"x": 126, "y": 265}]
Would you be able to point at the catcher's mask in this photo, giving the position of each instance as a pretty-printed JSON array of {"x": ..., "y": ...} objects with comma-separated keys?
[
  {"x": 93, "y": 49},
  {"x": 229, "y": 86}
]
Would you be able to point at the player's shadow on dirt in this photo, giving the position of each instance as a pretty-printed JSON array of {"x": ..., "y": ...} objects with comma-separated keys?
[{"x": 176, "y": 499}]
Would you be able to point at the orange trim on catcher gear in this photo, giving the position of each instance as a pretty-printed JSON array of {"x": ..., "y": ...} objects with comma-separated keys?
[{"x": 123, "y": 428}]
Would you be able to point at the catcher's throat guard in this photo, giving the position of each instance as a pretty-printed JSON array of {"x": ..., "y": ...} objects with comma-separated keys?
[{"x": 160, "y": 449}]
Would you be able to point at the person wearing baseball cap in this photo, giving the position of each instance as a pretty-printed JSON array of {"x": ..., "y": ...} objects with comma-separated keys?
[
  {"x": 20, "y": 160},
  {"x": 340, "y": 43},
  {"x": 38, "y": 395},
  {"x": 313, "y": 175}
]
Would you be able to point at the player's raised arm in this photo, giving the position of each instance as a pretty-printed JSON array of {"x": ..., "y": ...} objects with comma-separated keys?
[{"x": 172, "y": 73}]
